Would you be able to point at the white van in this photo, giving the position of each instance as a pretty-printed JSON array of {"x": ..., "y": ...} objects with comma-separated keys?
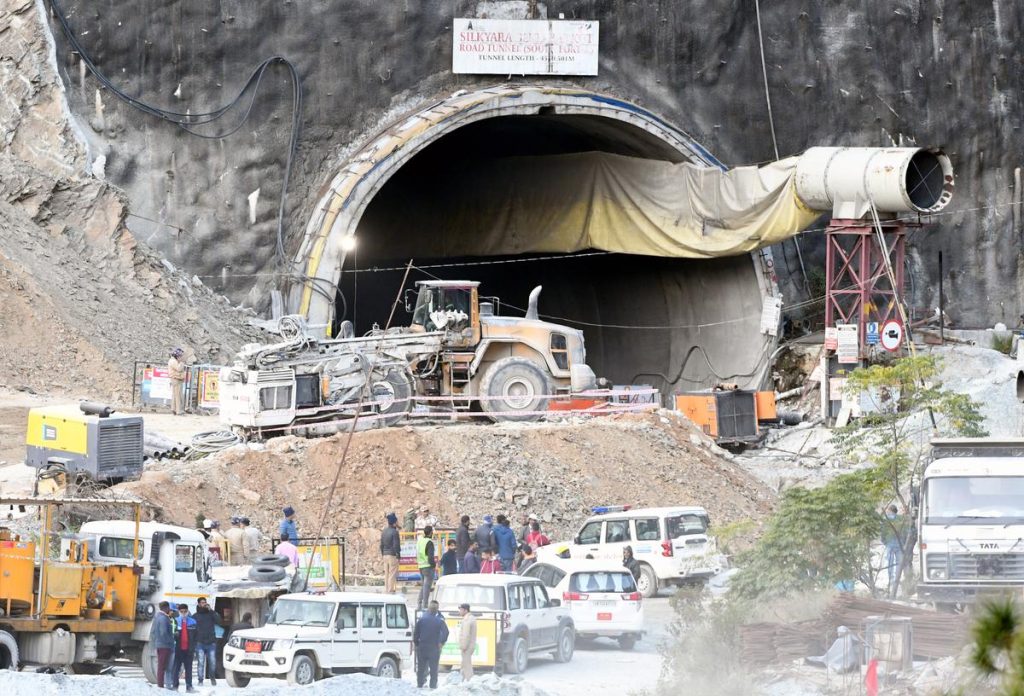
[
  {"x": 671, "y": 544},
  {"x": 312, "y": 636}
]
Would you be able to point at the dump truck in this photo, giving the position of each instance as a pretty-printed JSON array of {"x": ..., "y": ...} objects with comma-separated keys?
[
  {"x": 457, "y": 354},
  {"x": 971, "y": 520}
]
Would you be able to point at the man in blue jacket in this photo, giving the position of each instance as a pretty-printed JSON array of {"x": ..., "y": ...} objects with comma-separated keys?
[
  {"x": 505, "y": 541},
  {"x": 288, "y": 525},
  {"x": 430, "y": 634},
  {"x": 161, "y": 636}
]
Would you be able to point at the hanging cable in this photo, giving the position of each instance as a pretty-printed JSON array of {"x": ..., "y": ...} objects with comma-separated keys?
[
  {"x": 764, "y": 71},
  {"x": 187, "y": 121}
]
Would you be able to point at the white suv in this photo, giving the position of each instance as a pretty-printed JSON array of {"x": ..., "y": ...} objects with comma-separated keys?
[
  {"x": 602, "y": 598},
  {"x": 671, "y": 544},
  {"x": 525, "y": 619},
  {"x": 311, "y": 636}
]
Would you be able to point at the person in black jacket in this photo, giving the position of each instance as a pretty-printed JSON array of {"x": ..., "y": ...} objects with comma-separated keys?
[
  {"x": 430, "y": 634},
  {"x": 391, "y": 552},
  {"x": 463, "y": 537},
  {"x": 206, "y": 640},
  {"x": 630, "y": 563}
]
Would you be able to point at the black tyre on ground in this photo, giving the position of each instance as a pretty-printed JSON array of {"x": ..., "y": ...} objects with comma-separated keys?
[
  {"x": 647, "y": 584},
  {"x": 387, "y": 668},
  {"x": 627, "y": 642},
  {"x": 515, "y": 389},
  {"x": 392, "y": 394},
  {"x": 147, "y": 660},
  {"x": 566, "y": 645},
  {"x": 518, "y": 658},
  {"x": 303, "y": 671}
]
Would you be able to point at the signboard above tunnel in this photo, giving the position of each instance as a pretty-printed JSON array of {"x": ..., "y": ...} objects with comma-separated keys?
[{"x": 524, "y": 47}]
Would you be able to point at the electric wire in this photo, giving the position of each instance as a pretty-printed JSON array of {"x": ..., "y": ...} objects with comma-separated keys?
[{"x": 764, "y": 71}]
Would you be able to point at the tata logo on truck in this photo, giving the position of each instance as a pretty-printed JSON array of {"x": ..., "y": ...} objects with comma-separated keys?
[{"x": 988, "y": 546}]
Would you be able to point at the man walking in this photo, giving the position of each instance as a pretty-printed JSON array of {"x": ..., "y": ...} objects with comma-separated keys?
[
  {"x": 391, "y": 552},
  {"x": 206, "y": 640},
  {"x": 430, "y": 634},
  {"x": 426, "y": 560},
  {"x": 485, "y": 534},
  {"x": 236, "y": 543},
  {"x": 176, "y": 373},
  {"x": 463, "y": 538},
  {"x": 161, "y": 637},
  {"x": 505, "y": 543},
  {"x": 467, "y": 641},
  {"x": 184, "y": 648},
  {"x": 288, "y": 525}
]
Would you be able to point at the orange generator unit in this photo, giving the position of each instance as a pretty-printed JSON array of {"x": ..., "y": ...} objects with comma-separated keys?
[{"x": 730, "y": 416}]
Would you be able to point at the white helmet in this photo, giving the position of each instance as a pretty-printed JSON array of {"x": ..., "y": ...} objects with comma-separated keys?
[{"x": 207, "y": 523}]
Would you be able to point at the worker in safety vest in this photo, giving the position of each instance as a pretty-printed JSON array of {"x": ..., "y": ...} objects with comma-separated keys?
[{"x": 426, "y": 560}]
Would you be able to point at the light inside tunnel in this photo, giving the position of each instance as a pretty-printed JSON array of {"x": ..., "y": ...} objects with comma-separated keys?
[{"x": 679, "y": 324}]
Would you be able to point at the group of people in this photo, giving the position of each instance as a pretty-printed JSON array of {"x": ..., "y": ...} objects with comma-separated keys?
[
  {"x": 240, "y": 544},
  {"x": 492, "y": 547},
  {"x": 180, "y": 637}
]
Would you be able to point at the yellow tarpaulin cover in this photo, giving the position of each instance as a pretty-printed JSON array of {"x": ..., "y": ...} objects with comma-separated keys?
[{"x": 596, "y": 200}]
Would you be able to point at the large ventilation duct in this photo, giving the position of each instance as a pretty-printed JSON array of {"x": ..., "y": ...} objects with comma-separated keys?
[{"x": 847, "y": 180}]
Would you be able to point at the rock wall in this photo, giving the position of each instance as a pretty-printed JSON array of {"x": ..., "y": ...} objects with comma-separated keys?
[{"x": 868, "y": 72}]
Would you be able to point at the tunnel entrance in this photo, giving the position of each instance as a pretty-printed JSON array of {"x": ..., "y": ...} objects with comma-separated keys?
[{"x": 677, "y": 324}]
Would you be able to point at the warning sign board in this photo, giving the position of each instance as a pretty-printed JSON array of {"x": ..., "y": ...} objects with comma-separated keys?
[
  {"x": 847, "y": 343},
  {"x": 831, "y": 338},
  {"x": 871, "y": 336},
  {"x": 892, "y": 335}
]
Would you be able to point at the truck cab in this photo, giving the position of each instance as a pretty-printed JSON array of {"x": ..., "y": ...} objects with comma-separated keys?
[{"x": 971, "y": 520}]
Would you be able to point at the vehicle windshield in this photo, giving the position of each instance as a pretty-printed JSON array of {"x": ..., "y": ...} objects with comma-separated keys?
[
  {"x": 602, "y": 581},
  {"x": 301, "y": 612},
  {"x": 476, "y": 596},
  {"x": 974, "y": 500},
  {"x": 683, "y": 525},
  {"x": 115, "y": 547},
  {"x": 442, "y": 308}
]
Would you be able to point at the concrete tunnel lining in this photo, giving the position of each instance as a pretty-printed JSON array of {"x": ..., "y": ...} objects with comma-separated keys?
[{"x": 713, "y": 339}]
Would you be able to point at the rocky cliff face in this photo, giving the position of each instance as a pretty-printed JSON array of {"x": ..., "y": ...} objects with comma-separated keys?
[{"x": 870, "y": 72}]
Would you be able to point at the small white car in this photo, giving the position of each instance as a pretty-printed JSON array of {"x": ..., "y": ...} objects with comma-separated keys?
[
  {"x": 671, "y": 543},
  {"x": 530, "y": 621},
  {"x": 311, "y": 636},
  {"x": 602, "y": 598}
]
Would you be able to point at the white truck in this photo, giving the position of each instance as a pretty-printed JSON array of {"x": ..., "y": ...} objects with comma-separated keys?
[{"x": 971, "y": 520}]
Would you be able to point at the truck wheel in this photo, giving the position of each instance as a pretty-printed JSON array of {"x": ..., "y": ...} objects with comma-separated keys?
[
  {"x": 566, "y": 645},
  {"x": 647, "y": 583},
  {"x": 387, "y": 668},
  {"x": 518, "y": 658},
  {"x": 392, "y": 395},
  {"x": 303, "y": 671},
  {"x": 147, "y": 661},
  {"x": 236, "y": 680},
  {"x": 516, "y": 388},
  {"x": 627, "y": 642},
  {"x": 8, "y": 651}
]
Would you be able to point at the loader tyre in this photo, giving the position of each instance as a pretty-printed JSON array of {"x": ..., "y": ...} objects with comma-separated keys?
[
  {"x": 8, "y": 651},
  {"x": 266, "y": 573},
  {"x": 517, "y": 388},
  {"x": 272, "y": 559},
  {"x": 393, "y": 395}
]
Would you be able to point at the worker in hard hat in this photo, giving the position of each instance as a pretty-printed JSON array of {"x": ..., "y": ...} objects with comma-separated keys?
[{"x": 176, "y": 372}]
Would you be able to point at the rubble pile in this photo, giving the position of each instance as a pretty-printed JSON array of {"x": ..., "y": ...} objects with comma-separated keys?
[
  {"x": 82, "y": 298},
  {"x": 556, "y": 470}
]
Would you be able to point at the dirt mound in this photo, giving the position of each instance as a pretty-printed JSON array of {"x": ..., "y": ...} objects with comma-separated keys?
[
  {"x": 557, "y": 470},
  {"x": 82, "y": 299}
]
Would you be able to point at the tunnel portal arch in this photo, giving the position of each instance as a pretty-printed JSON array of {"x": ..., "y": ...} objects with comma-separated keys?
[{"x": 672, "y": 297}]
